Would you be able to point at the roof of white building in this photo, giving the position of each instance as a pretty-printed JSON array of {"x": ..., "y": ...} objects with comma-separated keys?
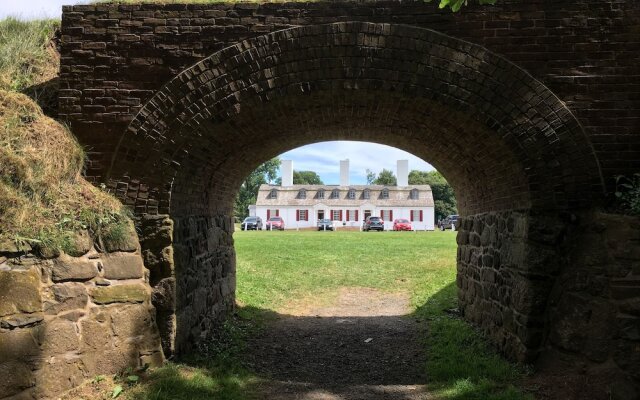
[{"x": 399, "y": 196}]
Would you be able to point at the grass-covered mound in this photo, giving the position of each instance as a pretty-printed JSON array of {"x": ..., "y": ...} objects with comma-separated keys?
[{"x": 44, "y": 200}]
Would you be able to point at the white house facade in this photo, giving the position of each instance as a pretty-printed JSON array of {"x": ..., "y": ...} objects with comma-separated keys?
[{"x": 301, "y": 206}]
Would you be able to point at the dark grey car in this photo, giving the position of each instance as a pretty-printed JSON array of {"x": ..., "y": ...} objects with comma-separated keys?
[
  {"x": 448, "y": 223},
  {"x": 373, "y": 223},
  {"x": 251, "y": 223}
]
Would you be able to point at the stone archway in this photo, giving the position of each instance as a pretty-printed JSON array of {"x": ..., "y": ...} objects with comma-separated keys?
[{"x": 514, "y": 153}]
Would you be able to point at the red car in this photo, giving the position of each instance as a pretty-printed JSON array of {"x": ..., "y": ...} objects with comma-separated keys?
[
  {"x": 401, "y": 225},
  {"x": 275, "y": 223}
]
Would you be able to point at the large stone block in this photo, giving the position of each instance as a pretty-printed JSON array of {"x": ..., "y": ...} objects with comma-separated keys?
[
  {"x": 20, "y": 292},
  {"x": 133, "y": 293},
  {"x": 66, "y": 296},
  {"x": 96, "y": 336},
  {"x": 60, "y": 336},
  {"x": 16, "y": 377},
  {"x": 67, "y": 269},
  {"x": 20, "y": 344},
  {"x": 122, "y": 266},
  {"x": 57, "y": 375}
]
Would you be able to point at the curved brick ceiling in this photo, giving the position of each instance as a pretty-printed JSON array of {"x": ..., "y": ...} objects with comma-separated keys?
[{"x": 501, "y": 137}]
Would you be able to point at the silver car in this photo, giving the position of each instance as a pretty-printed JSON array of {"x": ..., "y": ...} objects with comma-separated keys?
[{"x": 325, "y": 224}]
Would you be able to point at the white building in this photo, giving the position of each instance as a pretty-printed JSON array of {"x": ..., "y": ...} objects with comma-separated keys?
[{"x": 301, "y": 206}]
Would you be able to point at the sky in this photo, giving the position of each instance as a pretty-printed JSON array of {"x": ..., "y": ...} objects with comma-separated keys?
[
  {"x": 323, "y": 158},
  {"x": 34, "y": 9}
]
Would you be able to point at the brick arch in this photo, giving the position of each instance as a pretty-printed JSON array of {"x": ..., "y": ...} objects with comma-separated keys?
[
  {"x": 514, "y": 153},
  {"x": 502, "y": 138}
]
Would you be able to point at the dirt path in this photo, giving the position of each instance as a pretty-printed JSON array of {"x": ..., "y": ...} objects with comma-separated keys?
[{"x": 363, "y": 346}]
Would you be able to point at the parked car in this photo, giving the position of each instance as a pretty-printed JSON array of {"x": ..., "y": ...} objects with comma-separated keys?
[
  {"x": 275, "y": 223},
  {"x": 401, "y": 224},
  {"x": 325, "y": 225},
  {"x": 373, "y": 223},
  {"x": 448, "y": 223},
  {"x": 251, "y": 223}
]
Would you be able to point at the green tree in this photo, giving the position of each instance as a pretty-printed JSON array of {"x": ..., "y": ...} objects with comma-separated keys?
[
  {"x": 455, "y": 5},
  {"x": 303, "y": 178},
  {"x": 385, "y": 177},
  {"x": 265, "y": 173},
  {"x": 371, "y": 176},
  {"x": 306, "y": 178},
  {"x": 443, "y": 195}
]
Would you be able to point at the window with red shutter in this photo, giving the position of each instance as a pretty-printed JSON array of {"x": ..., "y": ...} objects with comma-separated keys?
[
  {"x": 297, "y": 215},
  {"x": 420, "y": 215},
  {"x": 277, "y": 213},
  {"x": 268, "y": 214},
  {"x": 390, "y": 215},
  {"x": 356, "y": 215}
]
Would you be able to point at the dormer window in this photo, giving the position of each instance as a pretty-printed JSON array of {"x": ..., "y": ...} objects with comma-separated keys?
[
  {"x": 320, "y": 194},
  {"x": 351, "y": 194},
  {"x": 414, "y": 195},
  {"x": 366, "y": 194},
  {"x": 302, "y": 194},
  {"x": 273, "y": 194},
  {"x": 384, "y": 194},
  {"x": 335, "y": 194}
]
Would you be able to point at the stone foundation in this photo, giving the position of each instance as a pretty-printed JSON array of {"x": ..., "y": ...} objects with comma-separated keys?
[
  {"x": 564, "y": 286},
  {"x": 67, "y": 319}
]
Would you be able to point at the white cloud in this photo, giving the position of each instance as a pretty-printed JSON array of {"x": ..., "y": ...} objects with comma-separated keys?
[
  {"x": 35, "y": 9},
  {"x": 324, "y": 158}
]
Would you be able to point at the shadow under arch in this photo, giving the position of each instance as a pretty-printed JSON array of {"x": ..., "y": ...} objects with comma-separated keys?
[{"x": 507, "y": 144}]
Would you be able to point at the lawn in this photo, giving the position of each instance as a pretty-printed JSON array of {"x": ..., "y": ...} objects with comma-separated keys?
[{"x": 280, "y": 270}]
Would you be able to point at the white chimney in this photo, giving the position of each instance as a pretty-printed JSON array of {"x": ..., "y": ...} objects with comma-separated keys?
[
  {"x": 402, "y": 172},
  {"x": 344, "y": 172},
  {"x": 286, "y": 167}
]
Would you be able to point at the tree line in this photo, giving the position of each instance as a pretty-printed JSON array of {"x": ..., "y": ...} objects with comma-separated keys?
[{"x": 443, "y": 195}]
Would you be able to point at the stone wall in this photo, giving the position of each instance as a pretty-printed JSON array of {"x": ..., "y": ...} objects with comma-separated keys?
[
  {"x": 68, "y": 318},
  {"x": 507, "y": 263},
  {"x": 205, "y": 276},
  {"x": 566, "y": 286},
  {"x": 594, "y": 307}
]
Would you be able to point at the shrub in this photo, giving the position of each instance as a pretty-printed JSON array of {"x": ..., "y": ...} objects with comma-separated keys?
[{"x": 628, "y": 193}]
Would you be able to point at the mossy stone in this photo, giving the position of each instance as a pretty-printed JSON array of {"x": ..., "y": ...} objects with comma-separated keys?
[
  {"x": 134, "y": 293},
  {"x": 20, "y": 292}
]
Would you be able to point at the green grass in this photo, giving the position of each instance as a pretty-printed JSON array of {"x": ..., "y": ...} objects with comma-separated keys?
[
  {"x": 26, "y": 58},
  {"x": 275, "y": 267}
]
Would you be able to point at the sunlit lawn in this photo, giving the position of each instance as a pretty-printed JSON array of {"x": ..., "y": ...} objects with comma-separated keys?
[{"x": 277, "y": 270}]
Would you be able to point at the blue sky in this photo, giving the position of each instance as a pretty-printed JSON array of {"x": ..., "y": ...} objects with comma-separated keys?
[{"x": 323, "y": 158}]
